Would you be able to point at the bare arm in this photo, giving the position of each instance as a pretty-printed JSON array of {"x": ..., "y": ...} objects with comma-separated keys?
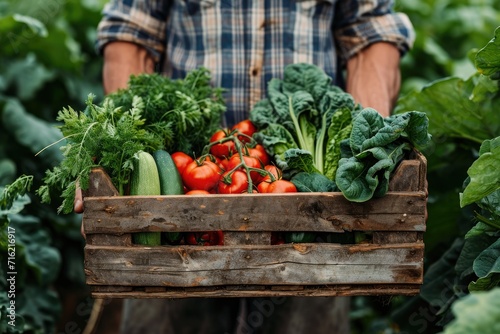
[
  {"x": 373, "y": 77},
  {"x": 122, "y": 59}
]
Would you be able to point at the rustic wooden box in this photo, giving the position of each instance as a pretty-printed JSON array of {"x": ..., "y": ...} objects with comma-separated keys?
[{"x": 391, "y": 263}]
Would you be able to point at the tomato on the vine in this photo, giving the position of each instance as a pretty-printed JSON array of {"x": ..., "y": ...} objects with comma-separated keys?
[
  {"x": 233, "y": 183},
  {"x": 201, "y": 175},
  {"x": 252, "y": 162},
  {"x": 275, "y": 171},
  {"x": 181, "y": 160},
  {"x": 224, "y": 149},
  {"x": 245, "y": 127},
  {"x": 279, "y": 186},
  {"x": 259, "y": 152}
]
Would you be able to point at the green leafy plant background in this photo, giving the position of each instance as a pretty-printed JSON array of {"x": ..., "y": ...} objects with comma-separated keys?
[{"x": 48, "y": 62}]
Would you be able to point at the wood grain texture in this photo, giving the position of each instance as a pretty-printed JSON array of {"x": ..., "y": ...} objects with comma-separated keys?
[
  {"x": 290, "y": 264},
  {"x": 247, "y": 265}
]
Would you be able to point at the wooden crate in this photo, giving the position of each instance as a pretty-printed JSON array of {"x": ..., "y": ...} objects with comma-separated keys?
[{"x": 391, "y": 263}]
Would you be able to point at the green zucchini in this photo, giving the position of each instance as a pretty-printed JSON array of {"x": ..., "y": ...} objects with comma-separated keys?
[
  {"x": 170, "y": 178},
  {"x": 170, "y": 184},
  {"x": 145, "y": 180}
]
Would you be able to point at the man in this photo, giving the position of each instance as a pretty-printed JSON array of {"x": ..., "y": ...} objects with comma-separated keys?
[{"x": 244, "y": 44}]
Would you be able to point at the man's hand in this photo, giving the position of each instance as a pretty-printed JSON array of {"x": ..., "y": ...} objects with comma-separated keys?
[
  {"x": 373, "y": 77},
  {"x": 121, "y": 60}
]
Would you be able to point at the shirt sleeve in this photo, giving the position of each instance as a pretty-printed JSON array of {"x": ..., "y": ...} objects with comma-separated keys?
[
  {"x": 138, "y": 21},
  {"x": 361, "y": 23}
]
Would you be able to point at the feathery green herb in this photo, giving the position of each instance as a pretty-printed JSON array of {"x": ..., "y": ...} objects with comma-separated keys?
[
  {"x": 100, "y": 136},
  {"x": 185, "y": 112}
]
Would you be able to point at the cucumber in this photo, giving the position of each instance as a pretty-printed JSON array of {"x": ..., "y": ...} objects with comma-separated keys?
[
  {"x": 170, "y": 184},
  {"x": 170, "y": 178},
  {"x": 145, "y": 180}
]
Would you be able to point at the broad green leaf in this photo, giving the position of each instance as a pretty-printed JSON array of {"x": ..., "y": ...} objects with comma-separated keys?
[
  {"x": 27, "y": 76},
  {"x": 484, "y": 174},
  {"x": 34, "y": 24},
  {"x": 453, "y": 110},
  {"x": 487, "y": 59},
  {"x": 41, "y": 312},
  {"x": 477, "y": 313},
  {"x": 7, "y": 171},
  {"x": 32, "y": 132},
  {"x": 440, "y": 278},
  {"x": 473, "y": 246},
  {"x": 487, "y": 267},
  {"x": 33, "y": 243}
]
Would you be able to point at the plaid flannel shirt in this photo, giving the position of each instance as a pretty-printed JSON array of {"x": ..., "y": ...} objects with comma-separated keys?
[{"x": 245, "y": 43}]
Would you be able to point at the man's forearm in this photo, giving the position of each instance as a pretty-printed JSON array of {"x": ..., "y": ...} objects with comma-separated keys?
[
  {"x": 122, "y": 59},
  {"x": 373, "y": 77}
]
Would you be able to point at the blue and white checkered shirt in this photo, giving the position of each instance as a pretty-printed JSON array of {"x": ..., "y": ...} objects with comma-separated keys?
[{"x": 245, "y": 43}]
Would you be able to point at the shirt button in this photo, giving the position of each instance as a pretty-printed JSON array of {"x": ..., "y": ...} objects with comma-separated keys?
[{"x": 255, "y": 72}]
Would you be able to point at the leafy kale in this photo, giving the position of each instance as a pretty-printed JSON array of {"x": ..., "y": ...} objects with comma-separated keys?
[
  {"x": 375, "y": 147},
  {"x": 300, "y": 112}
]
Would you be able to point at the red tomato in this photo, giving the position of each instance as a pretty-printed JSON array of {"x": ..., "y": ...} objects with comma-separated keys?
[
  {"x": 215, "y": 159},
  {"x": 201, "y": 175},
  {"x": 273, "y": 170},
  {"x": 263, "y": 186},
  {"x": 197, "y": 192},
  {"x": 181, "y": 160},
  {"x": 259, "y": 152},
  {"x": 224, "y": 149},
  {"x": 211, "y": 238},
  {"x": 246, "y": 128},
  {"x": 249, "y": 161},
  {"x": 238, "y": 183},
  {"x": 224, "y": 163},
  {"x": 280, "y": 186}
]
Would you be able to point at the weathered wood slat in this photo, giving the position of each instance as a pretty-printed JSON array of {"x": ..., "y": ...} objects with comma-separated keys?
[
  {"x": 260, "y": 212},
  {"x": 226, "y": 291},
  {"x": 273, "y": 265}
]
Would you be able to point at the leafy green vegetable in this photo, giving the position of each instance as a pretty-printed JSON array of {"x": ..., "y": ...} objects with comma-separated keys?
[
  {"x": 487, "y": 60},
  {"x": 487, "y": 267},
  {"x": 35, "y": 260},
  {"x": 458, "y": 108},
  {"x": 476, "y": 313},
  {"x": 483, "y": 173},
  {"x": 375, "y": 147},
  {"x": 101, "y": 136},
  {"x": 185, "y": 112},
  {"x": 300, "y": 112}
]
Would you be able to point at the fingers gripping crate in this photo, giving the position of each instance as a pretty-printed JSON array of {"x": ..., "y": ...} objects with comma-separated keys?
[{"x": 247, "y": 265}]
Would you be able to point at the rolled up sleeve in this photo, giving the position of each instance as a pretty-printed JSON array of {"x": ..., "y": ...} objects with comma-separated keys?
[
  {"x": 141, "y": 22},
  {"x": 361, "y": 23}
]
